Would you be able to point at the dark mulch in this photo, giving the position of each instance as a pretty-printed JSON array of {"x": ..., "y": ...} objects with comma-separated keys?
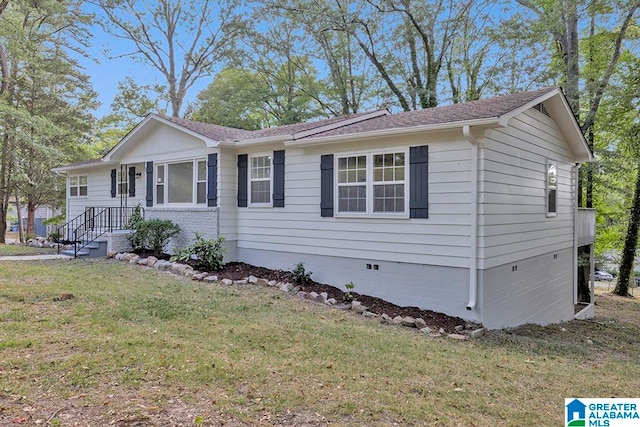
[{"x": 240, "y": 270}]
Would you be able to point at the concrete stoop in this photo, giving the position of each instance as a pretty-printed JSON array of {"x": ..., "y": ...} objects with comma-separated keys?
[{"x": 97, "y": 248}]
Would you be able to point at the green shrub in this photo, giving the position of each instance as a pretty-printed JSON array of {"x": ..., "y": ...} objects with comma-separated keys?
[
  {"x": 136, "y": 238},
  {"x": 158, "y": 232},
  {"x": 300, "y": 275},
  {"x": 208, "y": 254},
  {"x": 135, "y": 218},
  {"x": 153, "y": 234}
]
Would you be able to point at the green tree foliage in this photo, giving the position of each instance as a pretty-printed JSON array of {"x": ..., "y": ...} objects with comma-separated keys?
[
  {"x": 45, "y": 101},
  {"x": 235, "y": 98}
]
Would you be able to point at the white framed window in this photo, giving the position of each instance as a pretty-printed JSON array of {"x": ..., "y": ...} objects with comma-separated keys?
[
  {"x": 122, "y": 182},
  {"x": 552, "y": 188},
  {"x": 260, "y": 173},
  {"x": 78, "y": 186},
  {"x": 181, "y": 183},
  {"x": 373, "y": 183},
  {"x": 201, "y": 182}
]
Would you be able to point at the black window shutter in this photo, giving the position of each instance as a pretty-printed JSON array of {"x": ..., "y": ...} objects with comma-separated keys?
[
  {"x": 419, "y": 182},
  {"x": 212, "y": 179},
  {"x": 278, "y": 179},
  {"x": 326, "y": 185},
  {"x": 149, "y": 184},
  {"x": 113, "y": 182},
  {"x": 132, "y": 181},
  {"x": 242, "y": 180}
]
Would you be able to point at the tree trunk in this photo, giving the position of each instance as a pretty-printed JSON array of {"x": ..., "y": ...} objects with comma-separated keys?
[
  {"x": 630, "y": 242},
  {"x": 20, "y": 227},
  {"x": 31, "y": 219},
  {"x": 589, "y": 167},
  {"x": 5, "y": 187}
]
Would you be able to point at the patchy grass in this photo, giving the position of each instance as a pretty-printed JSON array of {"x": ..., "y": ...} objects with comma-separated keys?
[
  {"x": 140, "y": 347},
  {"x": 10, "y": 250}
]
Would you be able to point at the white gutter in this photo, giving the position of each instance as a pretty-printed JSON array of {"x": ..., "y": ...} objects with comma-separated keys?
[
  {"x": 473, "y": 240},
  {"x": 64, "y": 169},
  {"x": 256, "y": 141},
  {"x": 307, "y": 142},
  {"x": 575, "y": 235}
]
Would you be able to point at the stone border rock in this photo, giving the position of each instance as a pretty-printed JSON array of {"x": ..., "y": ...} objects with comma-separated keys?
[{"x": 463, "y": 332}]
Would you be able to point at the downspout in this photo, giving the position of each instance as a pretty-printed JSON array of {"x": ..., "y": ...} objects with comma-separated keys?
[
  {"x": 575, "y": 235},
  {"x": 473, "y": 241}
]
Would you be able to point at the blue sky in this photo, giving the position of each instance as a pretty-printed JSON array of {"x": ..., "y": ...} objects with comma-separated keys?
[{"x": 106, "y": 70}]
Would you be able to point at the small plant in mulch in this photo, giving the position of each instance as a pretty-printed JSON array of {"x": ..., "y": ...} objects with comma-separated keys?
[
  {"x": 348, "y": 296},
  {"x": 300, "y": 275}
]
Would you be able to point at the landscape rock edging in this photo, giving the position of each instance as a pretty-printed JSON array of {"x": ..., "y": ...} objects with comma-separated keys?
[{"x": 462, "y": 332}]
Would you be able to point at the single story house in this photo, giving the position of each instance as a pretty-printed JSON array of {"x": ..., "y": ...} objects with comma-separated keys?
[{"x": 467, "y": 209}]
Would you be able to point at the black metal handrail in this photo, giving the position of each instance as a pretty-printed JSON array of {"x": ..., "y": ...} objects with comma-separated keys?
[{"x": 93, "y": 223}]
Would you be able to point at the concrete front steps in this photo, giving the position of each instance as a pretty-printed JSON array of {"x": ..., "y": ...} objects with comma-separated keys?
[{"x": 97, "y": 248}]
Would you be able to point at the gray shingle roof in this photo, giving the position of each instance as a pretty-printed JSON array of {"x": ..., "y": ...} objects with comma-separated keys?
[
  {"x": 481, "y": 109},
  {"x": 215, "y": 132},
  {"x": 301, "y": 127},
  {"x": 473, "y": 110}
]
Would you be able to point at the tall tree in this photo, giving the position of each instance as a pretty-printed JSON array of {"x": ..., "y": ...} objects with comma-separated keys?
[
  {"x": 45, "y": 106},
  {"x": 183, "y": 41},
  {"x": 349, "y": 81},
  {"x": 290, "y": 86},
  {"x": 235, "y": 98},
  {"x": 562, "y": 20}
]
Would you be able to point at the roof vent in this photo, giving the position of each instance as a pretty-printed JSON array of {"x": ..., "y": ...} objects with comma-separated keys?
[{"x": 540, "y": 107}]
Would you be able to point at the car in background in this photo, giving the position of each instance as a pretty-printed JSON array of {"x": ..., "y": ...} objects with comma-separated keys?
[{"x": 603, "y": 276}]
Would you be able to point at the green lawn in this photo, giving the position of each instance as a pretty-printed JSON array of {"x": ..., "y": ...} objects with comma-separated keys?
[
  {"x": 140, "y": 347},
  {"x": 9, "y": 250}
]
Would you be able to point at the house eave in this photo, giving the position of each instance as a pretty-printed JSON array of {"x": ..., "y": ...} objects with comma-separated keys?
[
  {"x": 131, "y": 136},
  {"x": 556, "y": 101},
  {"x": 71, "y": 168},
  {"x": 488, "y": 122}
]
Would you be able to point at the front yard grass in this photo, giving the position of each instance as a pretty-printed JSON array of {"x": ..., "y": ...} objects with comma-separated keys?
[
  {"x": 11, "y": 250},
  {"x": 140, "y": 347}
]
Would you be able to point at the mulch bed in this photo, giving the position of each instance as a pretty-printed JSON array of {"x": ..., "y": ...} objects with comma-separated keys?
[{"x": 240, "y": 270}]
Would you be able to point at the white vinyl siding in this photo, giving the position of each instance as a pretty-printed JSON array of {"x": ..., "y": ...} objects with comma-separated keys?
[
  {"x": 442, "y": 239},
  {"x": 513, "y": 197}
]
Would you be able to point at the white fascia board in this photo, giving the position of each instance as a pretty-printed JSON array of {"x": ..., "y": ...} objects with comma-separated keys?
[
  {"x": 564, "y": 118},
  {"x": 339, "y": 124},
  {"x": 391, "y": 132},
  {"x": 569, "y": 124},
  {"x": 71, "y": 168},
  {"x": 504, "y": 119}
]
